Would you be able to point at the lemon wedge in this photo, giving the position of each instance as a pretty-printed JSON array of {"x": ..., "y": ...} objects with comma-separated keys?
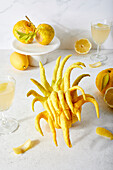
[
  {"x": 108, "y": 97},
  {"x": 104, "y": 132},
  {"x": 23, "y": 148},
  {"x": 95, "y": 65},
  {"x": 82, "y": 46},
  {"x": 3, "y": 86},
  {"x": 100, "y": 25}
]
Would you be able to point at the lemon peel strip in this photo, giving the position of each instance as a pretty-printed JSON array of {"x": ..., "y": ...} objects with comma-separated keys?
[
  {"x": 23, "y": 148},
  {"x": 95, "y": 65},
  {"x": 104, "y": 132}
]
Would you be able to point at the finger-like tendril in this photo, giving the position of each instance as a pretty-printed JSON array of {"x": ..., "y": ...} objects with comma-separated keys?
[
  {"x": 64, "y": 104},
  {"x": 57, "y": 85},
  {"x": 67, "y": 76},
  {"x": 54, "y": 100},
  {"x": 32, "y": 92},
  {"x": 75, "y": 83},
  {"x": 38, "y": 98},
  {"x": 41, "y": 115},
  {"x": 69, "y": 100},
  {"x": 81, "y": 101},
  {"x": 80, "y": 63},
  {"x": 44, "y": 82},
  {"x": 52, "y": 127},
  {"x": 52, "y": 109},
  {"x": 42, "y": 89},
  {"x": 60, "y": 69},
  {"x": 78, "y": 88},
  {"x": 65, "y": 129},
  {"x": 47, "y": 108},
  {"x": 55, "y": 71}
]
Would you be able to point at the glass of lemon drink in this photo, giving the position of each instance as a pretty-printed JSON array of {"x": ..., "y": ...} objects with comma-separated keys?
[
  {"x": 100, "y": 31},
  {"x": 7, "y": 91}
]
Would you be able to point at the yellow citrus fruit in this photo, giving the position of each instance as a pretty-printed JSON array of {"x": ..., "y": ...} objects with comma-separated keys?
[
  {"x": 104, "y": 80},
  {"x": 82, "y": 46},
  {"x": 19, "y": 61},
  {"x": 24, "y": 31},
  {"x": 108, "y": 97},
  {"x": 23, "y": 148},
  {"x": 44, "y": 34}
]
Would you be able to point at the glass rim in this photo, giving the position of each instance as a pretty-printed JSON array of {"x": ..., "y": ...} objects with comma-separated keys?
[
  {"x": 6, "y": 77},
  {"x": 110, "y": 21}
]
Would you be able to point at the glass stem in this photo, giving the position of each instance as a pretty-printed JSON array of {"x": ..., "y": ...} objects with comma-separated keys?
[
  {"x": 4, "y": 119},
  {"x": 98, "y": 50}
]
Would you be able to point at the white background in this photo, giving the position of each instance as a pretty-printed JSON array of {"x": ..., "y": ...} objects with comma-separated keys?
[{"x": 70, "y": 18}]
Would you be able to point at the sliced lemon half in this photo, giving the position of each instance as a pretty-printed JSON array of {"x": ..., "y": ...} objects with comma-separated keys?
[
  {"x": 23, "y": 148},
  {"x": 82, "y": 46},
  {"x": 104, "y": 132},
  {"x": 3, "y": 86},
  {"x": 108, "y": 97}
]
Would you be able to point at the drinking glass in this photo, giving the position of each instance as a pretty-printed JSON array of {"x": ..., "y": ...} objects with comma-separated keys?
[
  {"x": 7, "y": 91},
  {"x": 100, "y": 30}
]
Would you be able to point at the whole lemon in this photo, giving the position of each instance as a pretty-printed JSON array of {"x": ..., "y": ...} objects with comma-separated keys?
[
  {"x": 24, "y": 31},
  {"x": 44, "y": 34},
  {"x": 104, "y": 80},
  {"x": 19, "y": 61}
]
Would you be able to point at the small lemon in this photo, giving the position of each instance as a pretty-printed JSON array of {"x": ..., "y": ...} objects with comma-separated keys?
[{"x": 19, "y": 61}]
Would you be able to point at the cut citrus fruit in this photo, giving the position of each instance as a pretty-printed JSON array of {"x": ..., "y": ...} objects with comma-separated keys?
[
  {"x": 104, "y": 132},
  {"x": 23, "y": 148},
  {"x": 3, "y": 86},
  {"x": 82, "y": 46},
  {"x": 108, "y": 97}
]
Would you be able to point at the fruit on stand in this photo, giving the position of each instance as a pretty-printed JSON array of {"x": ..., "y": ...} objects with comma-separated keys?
[
  {"x": 19, "y": 61},
  {"x": 104, "y": 80},
  {"x": 44, "y": 34},
  {"x": 104, "y": 133},
  {"x": 24, "y": 31},
  {"x": 83, "y": 46},
  {"x": 61, "y": 102}
]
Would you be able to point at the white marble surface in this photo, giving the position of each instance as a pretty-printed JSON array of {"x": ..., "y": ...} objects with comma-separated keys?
[
  {"x": 89, "y": 151},
  {"x": 71, "y": 19}
]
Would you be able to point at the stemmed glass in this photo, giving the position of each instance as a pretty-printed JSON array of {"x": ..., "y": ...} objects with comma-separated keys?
[
  {"x": 100, "y": 30},
  {"x": 7, "y": 91}
]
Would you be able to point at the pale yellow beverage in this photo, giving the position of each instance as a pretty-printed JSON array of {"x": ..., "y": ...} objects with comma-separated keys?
[
  {"x": 7, "y": 90},
  {"x": 100, "y": 32}
]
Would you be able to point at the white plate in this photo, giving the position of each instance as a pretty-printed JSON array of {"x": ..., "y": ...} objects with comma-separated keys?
[{"x": 35, "y": 48}]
